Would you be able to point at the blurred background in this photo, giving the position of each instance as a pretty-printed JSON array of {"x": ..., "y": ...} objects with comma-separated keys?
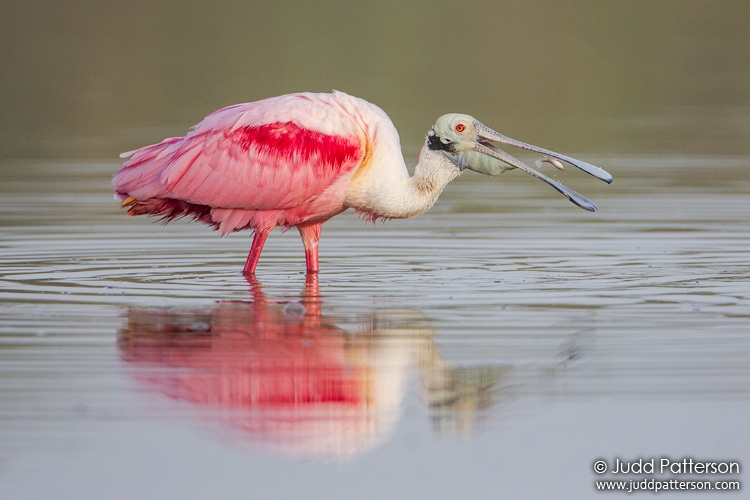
[{"x": 90, "y": 79}]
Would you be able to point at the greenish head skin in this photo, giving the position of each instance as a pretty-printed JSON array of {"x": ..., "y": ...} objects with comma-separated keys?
[
  {"x": 468, "y": 143},
  {"x": 457, "y": 132}
]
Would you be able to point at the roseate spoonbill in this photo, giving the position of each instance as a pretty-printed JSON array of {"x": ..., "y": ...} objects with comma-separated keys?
[{"x": 297, "y": 160}]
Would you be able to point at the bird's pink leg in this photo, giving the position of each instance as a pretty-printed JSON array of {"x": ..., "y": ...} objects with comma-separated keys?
[
  {"x": 252, "y": 258},
  {"x": 310, "y": 236}
]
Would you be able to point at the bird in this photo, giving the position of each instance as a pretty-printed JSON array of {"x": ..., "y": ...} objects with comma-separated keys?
[{"x": 297, "y": 160}]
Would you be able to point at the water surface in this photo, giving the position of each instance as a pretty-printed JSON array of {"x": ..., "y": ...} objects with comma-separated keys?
[{"x": 495, "y": 346}]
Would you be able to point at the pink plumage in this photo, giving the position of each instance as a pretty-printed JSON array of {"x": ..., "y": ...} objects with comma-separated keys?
[{"x": 283, "y": 161}]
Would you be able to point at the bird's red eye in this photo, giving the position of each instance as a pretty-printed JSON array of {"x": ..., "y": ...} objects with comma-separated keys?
[{"x": 460, "y": 127}]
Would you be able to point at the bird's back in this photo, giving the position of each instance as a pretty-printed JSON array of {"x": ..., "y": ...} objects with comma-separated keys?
[{"x": 274, "y": 154}]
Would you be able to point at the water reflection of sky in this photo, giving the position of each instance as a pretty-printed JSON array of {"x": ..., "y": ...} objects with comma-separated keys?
[{"x": 502, "y": 333}]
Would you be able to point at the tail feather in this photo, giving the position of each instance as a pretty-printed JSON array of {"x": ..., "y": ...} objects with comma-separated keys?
[
  {"x": 141, "y": 176},
  {"x": 143, "y": 186},
  {"x": 168, "y": 209}
]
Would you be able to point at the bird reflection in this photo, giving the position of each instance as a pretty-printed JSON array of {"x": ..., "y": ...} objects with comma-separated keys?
[{"x": 283, "y": 377}]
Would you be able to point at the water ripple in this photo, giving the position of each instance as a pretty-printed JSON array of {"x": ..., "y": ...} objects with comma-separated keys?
[{"x": 502, "y": 304}]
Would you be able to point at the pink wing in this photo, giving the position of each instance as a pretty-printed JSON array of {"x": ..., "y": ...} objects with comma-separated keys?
[{"x": 273, "y": 154}]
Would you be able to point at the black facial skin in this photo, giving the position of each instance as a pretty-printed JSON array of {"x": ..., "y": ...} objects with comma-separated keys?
[{"x": 434, "y": 143}]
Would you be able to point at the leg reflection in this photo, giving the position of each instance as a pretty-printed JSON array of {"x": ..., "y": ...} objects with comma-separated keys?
[{"x": 281, "y": 376}]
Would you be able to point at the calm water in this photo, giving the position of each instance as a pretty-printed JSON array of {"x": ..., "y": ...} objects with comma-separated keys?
[
  {"x": 494, "y": 347},
  {"x": 503, "y": 337}
]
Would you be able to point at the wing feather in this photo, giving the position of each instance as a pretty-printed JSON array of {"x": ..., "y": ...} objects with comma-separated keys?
[{"x": 267, "y": 155}]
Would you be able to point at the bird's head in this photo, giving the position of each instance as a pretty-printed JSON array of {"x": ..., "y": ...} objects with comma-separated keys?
[{"x": 468, "y": 143}]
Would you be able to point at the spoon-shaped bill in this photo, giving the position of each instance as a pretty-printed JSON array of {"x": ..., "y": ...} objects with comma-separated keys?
[
  {"x": 578, "y": 199},
  {"x": 490, "y": 135}
]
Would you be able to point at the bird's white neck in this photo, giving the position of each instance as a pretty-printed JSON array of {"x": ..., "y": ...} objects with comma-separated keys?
[{"x": 386, "y": 190}]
